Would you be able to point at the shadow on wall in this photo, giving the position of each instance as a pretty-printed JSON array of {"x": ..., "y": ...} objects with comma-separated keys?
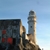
[{"x": 9, "y": 47}]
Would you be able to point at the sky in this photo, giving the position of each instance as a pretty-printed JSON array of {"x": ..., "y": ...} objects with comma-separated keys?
[{"x": 19, "y": 9}]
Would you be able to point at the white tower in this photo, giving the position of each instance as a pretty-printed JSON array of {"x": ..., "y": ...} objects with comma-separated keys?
[{"x": 32, "y": 25}]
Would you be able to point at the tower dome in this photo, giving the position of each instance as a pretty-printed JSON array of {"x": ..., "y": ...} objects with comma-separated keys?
[{"x": 31, "y": 12}]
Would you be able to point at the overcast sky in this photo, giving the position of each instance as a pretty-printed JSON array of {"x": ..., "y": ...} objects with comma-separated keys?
[{"x": 14, "y": 9}]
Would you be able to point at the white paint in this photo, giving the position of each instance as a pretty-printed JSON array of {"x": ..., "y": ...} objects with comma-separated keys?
[{"x": 32, "y": 25}]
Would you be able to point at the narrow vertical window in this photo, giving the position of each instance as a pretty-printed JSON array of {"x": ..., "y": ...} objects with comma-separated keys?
[{"x": 31, "y": 26}]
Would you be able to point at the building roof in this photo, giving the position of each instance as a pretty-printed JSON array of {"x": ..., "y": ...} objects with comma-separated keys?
[{"x": 9, "y": 19}]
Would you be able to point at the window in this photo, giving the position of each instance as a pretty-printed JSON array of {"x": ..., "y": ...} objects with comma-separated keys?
[
  {"x": 31, "y": 26},
  {"x": 14, "y": 31},
  {"x": 15, "y": 22}
]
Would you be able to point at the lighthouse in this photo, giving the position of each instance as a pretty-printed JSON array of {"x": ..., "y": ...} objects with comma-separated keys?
[{"x": 32, "y": 26}]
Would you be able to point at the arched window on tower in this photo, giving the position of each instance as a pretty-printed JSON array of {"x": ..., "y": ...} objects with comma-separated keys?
[{"x": 31, "y": 26}]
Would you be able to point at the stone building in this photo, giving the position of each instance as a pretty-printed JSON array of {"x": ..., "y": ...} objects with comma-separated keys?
[{"x": 13, "y": 32}]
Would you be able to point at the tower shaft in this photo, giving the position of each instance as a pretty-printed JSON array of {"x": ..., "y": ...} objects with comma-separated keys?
[{"x": 32, "y": 26}]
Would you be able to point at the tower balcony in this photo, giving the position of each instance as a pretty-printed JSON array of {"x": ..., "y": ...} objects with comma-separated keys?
[{"x": 31, "y": 21}]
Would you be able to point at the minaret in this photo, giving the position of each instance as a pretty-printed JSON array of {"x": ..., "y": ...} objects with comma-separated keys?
[{"x": 32, "y": 25}]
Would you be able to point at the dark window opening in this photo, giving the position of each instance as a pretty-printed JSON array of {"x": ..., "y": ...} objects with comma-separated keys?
[
  {"x": 31, "y": 26},
  {"x": 14, "y": 41}
]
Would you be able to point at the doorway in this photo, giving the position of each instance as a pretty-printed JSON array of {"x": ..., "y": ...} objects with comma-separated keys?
[{"x": 14, "y": 41}]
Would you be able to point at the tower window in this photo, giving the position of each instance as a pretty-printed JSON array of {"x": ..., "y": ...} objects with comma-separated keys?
[{"x": 31, "y": 26}]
